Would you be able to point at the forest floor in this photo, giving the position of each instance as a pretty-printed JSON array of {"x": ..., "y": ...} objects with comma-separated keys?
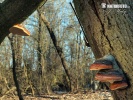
[{"x": 68, "y": 96}]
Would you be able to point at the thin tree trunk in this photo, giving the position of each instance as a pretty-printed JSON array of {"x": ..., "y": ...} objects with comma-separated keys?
[
  {"x": 14, "y": 70},
  {"x": 39, "y": 56}
]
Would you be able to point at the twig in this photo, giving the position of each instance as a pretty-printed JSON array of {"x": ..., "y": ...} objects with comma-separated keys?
[{"x": 13, "y": 88}]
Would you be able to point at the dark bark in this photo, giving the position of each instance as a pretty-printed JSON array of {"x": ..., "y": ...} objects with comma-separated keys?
[
  {"x": 15, "y": 11},
  {"x": 110, "y": 32},
  {"x": 14, "y": 69}
]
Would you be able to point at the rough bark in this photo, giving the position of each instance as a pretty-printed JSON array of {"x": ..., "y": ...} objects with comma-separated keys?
[
  {"x": 15, "y": 11},
  {"x": 110, "y": 34}
]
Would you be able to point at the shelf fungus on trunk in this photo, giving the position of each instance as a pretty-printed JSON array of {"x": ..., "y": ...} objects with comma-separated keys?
[
  {"x": 109, "y": 71},
  {"x": 118, "y": 85},
  {"x": 19, "y": 30},
  {"x": 101, "y": 64},
  {"x": 108, "y": 76}
]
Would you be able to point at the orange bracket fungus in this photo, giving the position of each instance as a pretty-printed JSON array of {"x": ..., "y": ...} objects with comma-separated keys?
[
  {"x": 109, "y": 71},
  {"x": 118, "y": 85},
  {"x": 101, "y": 64},
  {"x": 19, "y": 30},
  {"x": 109, "y": 76}
]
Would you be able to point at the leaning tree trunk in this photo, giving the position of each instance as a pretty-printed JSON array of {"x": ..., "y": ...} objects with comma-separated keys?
[
  {"x": 14, "y": 12},
  {"x": 58, "y": 49},
  {"x": 110, "y": 32}
]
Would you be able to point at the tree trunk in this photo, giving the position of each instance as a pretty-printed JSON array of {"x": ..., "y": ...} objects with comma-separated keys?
[
  {"x": 109, "y": 31},
  {"x": 58, "y": 48},
  {"x": 40, "y": 55},
  {"x": 15, "y": 11},
  {"x": 15, "y": 64}
]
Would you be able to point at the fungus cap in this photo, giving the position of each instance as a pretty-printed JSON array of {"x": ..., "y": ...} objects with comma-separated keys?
[
  {"x": 118, "y": 85},
  {"x": 101, "y": 64},
  {"x": 103, "y": 61},
  {"x": 19, "y": 30},
  {"x": 98, "y": 66},
  {"x": 109, "y": 76}
]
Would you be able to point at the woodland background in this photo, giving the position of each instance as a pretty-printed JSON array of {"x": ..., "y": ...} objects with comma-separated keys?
[
  {"x": 39, "y": 69},
  {"x": 56, "y": 57}
]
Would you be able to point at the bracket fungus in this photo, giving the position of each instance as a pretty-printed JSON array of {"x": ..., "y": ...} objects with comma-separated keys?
[
  {"x": 118, "y": 85},
  {"x": 101, "y": 64},
  {"x": 108, "y": 76},
  {"x": 19, "y": 30},
  {"x": 109, "y": 71}
]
